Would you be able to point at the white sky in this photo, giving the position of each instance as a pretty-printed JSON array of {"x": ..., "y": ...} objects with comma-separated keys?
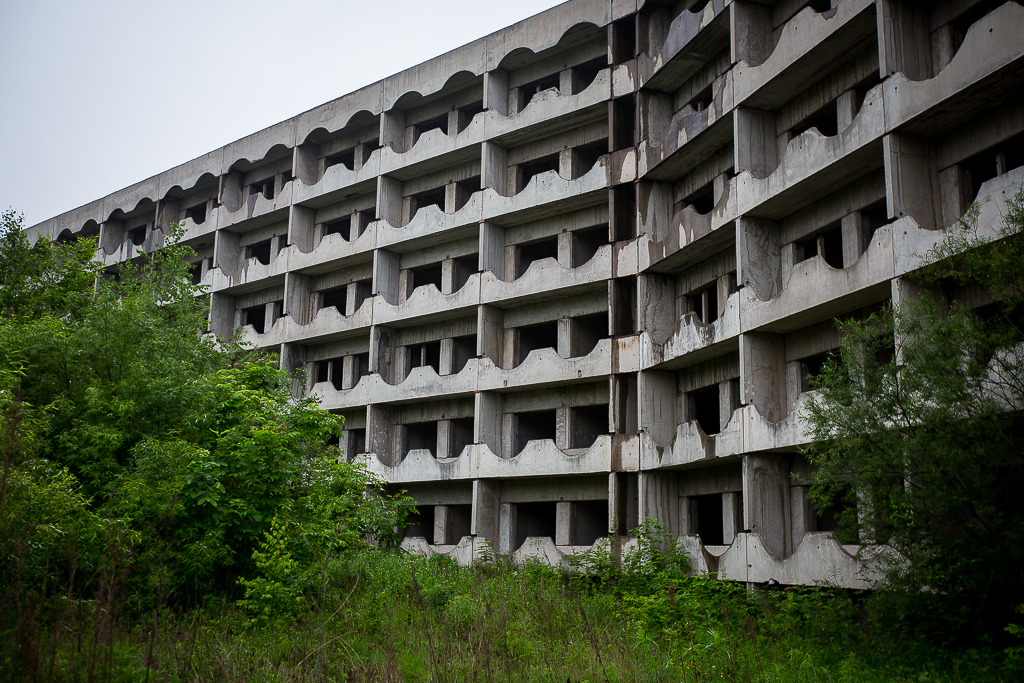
[{"x": 98, "y": 95}]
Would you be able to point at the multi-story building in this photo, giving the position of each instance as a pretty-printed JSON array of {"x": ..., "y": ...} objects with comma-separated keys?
[{"x": 577, "y": 273}]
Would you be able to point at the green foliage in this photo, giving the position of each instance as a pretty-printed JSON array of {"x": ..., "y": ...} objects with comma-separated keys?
[
  {"x": 275, "y": 595},
  {"x": 929, "y": 442}
]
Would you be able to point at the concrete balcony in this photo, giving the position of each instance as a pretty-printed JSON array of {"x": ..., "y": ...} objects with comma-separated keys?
[
  {"x": 692, "y": 236},
  {"x": 761, "y": 434},
  {"x": 814, "y": 164},
  {"x": 421, "y": 384},
  {"x": 334, "y": 251},
  {"x": 463, "y": 552},
  {"x": 547, "y": 279},
  {"x": 258, "y": 209},
  {"x": 251, "y": 274},
  {"x": 807, "y": 41},
  {"x": 817, "y": 556},
  {"x": 987, "y": 65},
  {"x": 816, "y": 291},
  {"x": 691, "y": 445},
  {"x": 432, "y": 226},
  {"x": 542, "y": 458},
  {"x": 419, "y": 466},
  {"x": 694, "y": 340},
  {"x": 692, "y": 136},
  {"x": 544, "y": 367},
  {"x": 192, "y": 231},
  {"x": 327, "y": 324},
  {"x": 428, "y": 303},
  {"x": 543, "y": 548},
  {"x": 337, "y": 182},
  {"x": 693, "y": 39},
  {"x": 548, "y": 194}
]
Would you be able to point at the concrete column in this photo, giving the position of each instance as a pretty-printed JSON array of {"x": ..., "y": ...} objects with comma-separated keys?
[
  {"x": 623, "y": 502},
  {"x": 496, "y": 91},
  {"x": 762, "y": 374},
  {"x": 794, "y": 384},
  {"x": 656, "y": 305},
  {"x": 944, "y": 47},
  {"x": 492, "y": 249},
  {"x": 659, "y": 498},
  {"x": 801, "y": 514},
  {"x": 457, "y": 120},
  {"x": 687, "y": 516},
  {"x": 514, "y": 180},
  {"x": 566, "y": 338},
  {"x": 300, "y": 228},
  {"x": 766, "y": 494},
  {"x": 912, "y": 179},
  {"x": 759, "y": 257},
  {"x": 222, "y": 315},
  {"x": 351, "y": 298},
  {"x": 507, "y": 529},
  {"x": 846, "y": 110},
  {"x": 758, "y": 151},
  {"x": 568, "y": 82},
  {"x": 487, "y": 427},
  {"x": 350, "y": 372},
  {"x": 904, "y": 44},
  {"x": 360, "y": 220},
  {"x": 564, "y": 518},
  {"x": 510, "y": 349},
  {"x": 405, "y": 285},
  {"x": 565, "y": 249},
  {"x": 854, "y": 227},
  {"x": 732, "y": 516},
  {"x": 455, "y": 196},
  {"x": 379, "y": 433},
  {"x": 726, "y": 285},
  {"x": 728, "y": 401},
  {"x": 954, "y": 190},
  {"x": 569, "y": 164},
  {"x": 486, "y": 511},
  {"x": 511, "y": 263},
  {"x": 304, "y": 160},
  {"x": 111, "y": 236},
  {"x": 392, "y": 130},
  {"x": 444, "y": 440},
  {"x": 229, "y": 191},
  {"x": 389, "y": 200},
  {"x": 563, "y": 427},
  {"x": 654, "y": 115},
  {"x": 657, "y": 391},
  {"x": 382, "y": 352},
  {"x": 448, "y": 276},
  {"x": 386, "y": 273},
  {"x": 226, "y": 252},
  {"x": 654, "y": 201},
  {"x": 409, "y": 207},
  {"x": 751, "y": 33},
  {"x": 490, "y": 333},
  {"x": 494, "y": 168},
  {"x": 296, "y": 297},
  {"x": 447, "y": 356}
]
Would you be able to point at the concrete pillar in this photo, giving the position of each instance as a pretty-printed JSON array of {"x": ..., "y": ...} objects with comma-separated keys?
[
  {"x": 751, "y": 32},
  {"x": 564, "y": 519},
  {"x": 386, "y": 274},
  {"x": 794, "y": 384},
  {"x": 222, "y": 315},
  {"x": 382, "y": 352},
  {"x": 568, "y": 82},
  {"x": 904, "y": 44},
  {"x": 623, "y": 511},
  {"x": 846, "y": 110},
  {"x": 442, "y": 525},
  {"x": 565, "y": 249},
  {"x": 226, "y": 252},
  {"x": 507, "y": 528},
  {"x": 854, "y": 227},
  {"x": 732, "y": 516},
  {"x": 656, "y": 305},
  {"x": 944, "y": 47},
  {"x": 954, "y": 190},
  {"x": 912, "y": 179},
  {"x": 654, "y": 115},
  {"x": 801, "y": 514},
  {"x": 487, "y": 427},
  {"x": 494, "y": 168},
  {"x": 687, "y": 516},
  {"x": 389, "y": 200},
  {"x": 273, "y": 312},
  {"x": 509, "y": 436},
  {"x": 758, "y": 148},
  {"x": 728, "y": 401},
  {"x": 767, "y": 505},
  {"x": 392, "y": 130},
  {"x": 725, "y": 285},
  {"x": 229, "y": 191},
  {"x": 300, "y": 228},
  {"x": 111, "y": 236},
  {"x": 659, "y": 498},
  {"x": 448, "y": 274},
  {"x": 759, "y": 257},
  {"x": 569, "y": 164},
  {"x": 486, "y": 511},
  {"x": 657, "y": 391},
  {"x": 455, "y": 197},
  {"x": 496, "y": 91},
  {"x": 446, "y": 362},
  {"x": 566, "y": 338},
  {"x": 762, "y": 374},
  {"x": 490, "y": 333},
  {"x": 444, "y": 446},
  {"x": 492, "y": 249},
  {"x": 654, "y": 204},
  {"x": 296, "y": 297},
  {"x": 350, "y": 372},
  {"x": 304, "y": 160},
  {"x": 563, "y": 427}
]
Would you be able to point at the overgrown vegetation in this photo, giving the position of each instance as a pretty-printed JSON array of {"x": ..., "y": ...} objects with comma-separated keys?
[{"x": 169, "y": 512}]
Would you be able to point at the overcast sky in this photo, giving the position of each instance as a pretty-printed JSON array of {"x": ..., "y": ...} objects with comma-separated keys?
[{"x": 100, "y": 95}]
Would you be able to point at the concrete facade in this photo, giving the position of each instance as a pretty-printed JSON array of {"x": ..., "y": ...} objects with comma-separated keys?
[{"x": 577, "y": 273}]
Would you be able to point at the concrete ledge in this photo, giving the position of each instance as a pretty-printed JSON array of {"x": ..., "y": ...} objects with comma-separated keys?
[
  {"x": 431, "y": 224},
  {"x": 543, "y": 549},
  {"x": 543, "y": 459},
  {"x": 427, "y": 302},
  {"x": 546, "y": 276},
  {"x": 420, "y": 465},
  {"x": 546, "y": 194},
  {"x": 422, "y": 383},
  {"x": 462, "y": 552},
  {"x": 544, "y": 367},
  {"x": 690, "y": 36},
  {"x": 692, "y": 336},
  {"x": 336, "y": 179},
  {"x": 691, "y": 445},
  {"x": 334, "y": 251}
]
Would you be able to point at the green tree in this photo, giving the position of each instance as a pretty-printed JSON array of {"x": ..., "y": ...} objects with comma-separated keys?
[{"x": 928, "y": 441}]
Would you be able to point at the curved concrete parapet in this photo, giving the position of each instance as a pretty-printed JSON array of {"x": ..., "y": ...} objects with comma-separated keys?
[
  {"x": 547, "y": 275},
  {"x": 548, "y": 193},
  {"x": 761, "y": 434},
  {"x": 431, "y": 222},
  {"x": 428, "y": 302},
  {"x": 688, "y": 33},
  {"x": 691, "y": 335},
  {"x": 992, "y": 44},
  {"x": 688, "y": 124},
  {"x": 420, "y": 465},
  {"x": 553, "y": 104},
  {"x": 190, "y": 230},
  {"x": 272, "y": 338},
  {"x": 811, "y": 156},
  {"x": 542, "y": 458},
  {"x": 330, "y": 322},
  {"x": 691, "y": 445},
  {"x": 463, "y": 552},
  {"x": 257, "y": 206},
  {"x": 544, "y": 367},
  {"x": 816, "y": 289},
  {"x": 249, "y": 271},
  {"x": 696, "y": 234},
  {"x": 912, "y": 243},
  {"x": 543, "y": 549},
  {"x": 334, "y": 250},
  {"x": 435, "y": 143},
  {"x": 795, "y": 57},
  {"x": 337, "y": 178},
  {"x": 422, "y": 383}
]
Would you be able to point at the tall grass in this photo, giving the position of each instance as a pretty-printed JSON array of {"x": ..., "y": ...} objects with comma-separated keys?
[{"x": 393, "y": 617}]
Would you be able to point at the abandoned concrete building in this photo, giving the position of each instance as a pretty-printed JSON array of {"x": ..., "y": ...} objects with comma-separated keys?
[{"x": 578, "y": 273}]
